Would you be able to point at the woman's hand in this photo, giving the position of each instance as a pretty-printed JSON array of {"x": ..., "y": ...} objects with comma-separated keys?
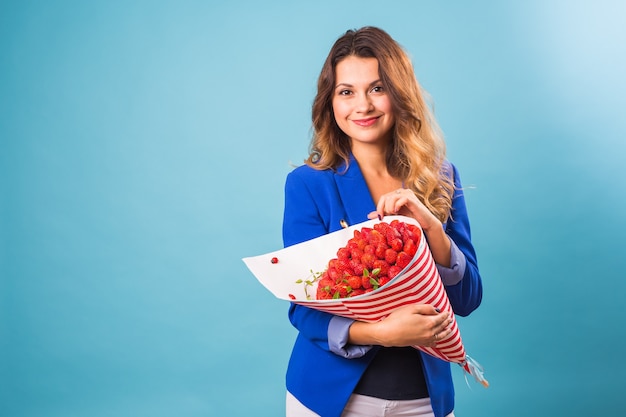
[
  {"x": 411, "y": 325},
  {"x": 404, "y": 202}
]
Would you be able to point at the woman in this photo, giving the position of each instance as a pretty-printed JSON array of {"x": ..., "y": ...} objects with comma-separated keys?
[{"x": 376, "y": 150}]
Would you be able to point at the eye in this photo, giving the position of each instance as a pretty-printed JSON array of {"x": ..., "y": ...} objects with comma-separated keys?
[
  {"x": 378, "y": 89},
  {"x": 344, "y": 92}
]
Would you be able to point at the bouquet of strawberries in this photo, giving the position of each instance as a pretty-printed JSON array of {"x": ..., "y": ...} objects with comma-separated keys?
[
  {"x": 370, "y": 259},
  {"x": 364, "y": 272}
]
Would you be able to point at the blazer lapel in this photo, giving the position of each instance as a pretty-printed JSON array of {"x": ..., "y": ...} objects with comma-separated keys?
[{"x": 355, "y": 196}]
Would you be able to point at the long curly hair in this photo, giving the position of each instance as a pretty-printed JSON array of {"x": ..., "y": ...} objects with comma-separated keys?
[{"x": 417, "y": 151}]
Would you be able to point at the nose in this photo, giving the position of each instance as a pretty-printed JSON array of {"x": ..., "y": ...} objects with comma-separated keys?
[{"x": 364, "y": 103}]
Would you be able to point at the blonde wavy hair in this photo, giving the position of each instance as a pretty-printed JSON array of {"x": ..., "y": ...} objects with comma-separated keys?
[{"x": 417, "y": 151}]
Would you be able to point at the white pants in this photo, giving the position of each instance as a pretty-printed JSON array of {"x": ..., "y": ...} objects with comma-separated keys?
[{"x": 364, "y": 406}]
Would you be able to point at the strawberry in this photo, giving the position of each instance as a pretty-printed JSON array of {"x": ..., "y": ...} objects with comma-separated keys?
[
  {"x": 394, "y": 270},
  {"x": 413, "y": 233},
  {"x": 357, "y": 267},
  {"x": 415, "y": 230},
  {"x": 368, "y": 260},
  {"x": 344, "y": 268},
  {"x": 383, "y": 280},
  {"x": 396, "y": 244},
  {"x": 367, "y": 281},
  {"x": 343, "y": 253},
  {"x": 407, "y": 235},
  {"x": 380, "y": 250},
  {"x": 391, "y": 256},
  {"x": 382, "y": 227},
  {"x": 340, "y": 290},
  {"x": 410, "y": 247},
  {"x": 323, "y": 294},
  {"x": 356, "y": 292},
  {"x": 365, "y": 233},
  {"x": 396, "y": 224},
  {"x": 356, "y": 254},
  {"x": 326, "y": 282},
  {"x": 392, "y": 234},
  {"x": 382, "y": 265},
  {"x": 369, "y": 248},
  {"x": 376, "y": 237},
  {"x": 403, "y": 259},
  {"x": 334, "y": 274},
  {"x": 354, "y": 282}
]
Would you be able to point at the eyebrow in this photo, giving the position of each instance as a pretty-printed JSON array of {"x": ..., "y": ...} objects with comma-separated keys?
[{"x": 350, "y": 85}]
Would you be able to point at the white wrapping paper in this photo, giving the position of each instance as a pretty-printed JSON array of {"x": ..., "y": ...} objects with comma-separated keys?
[{"x": 285, "y": 272}]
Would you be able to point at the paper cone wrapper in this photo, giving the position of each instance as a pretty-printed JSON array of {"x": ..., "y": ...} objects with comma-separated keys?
[{"x": 418, "y": 283}]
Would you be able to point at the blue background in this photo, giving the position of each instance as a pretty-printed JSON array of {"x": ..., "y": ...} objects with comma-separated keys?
[{"x": 144, "y": 147}]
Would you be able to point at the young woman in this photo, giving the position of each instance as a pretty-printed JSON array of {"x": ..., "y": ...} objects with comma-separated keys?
[{"x": 376, "y": 150}]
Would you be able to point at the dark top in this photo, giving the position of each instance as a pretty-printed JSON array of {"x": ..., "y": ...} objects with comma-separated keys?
[{"x": 395, "y": 373}]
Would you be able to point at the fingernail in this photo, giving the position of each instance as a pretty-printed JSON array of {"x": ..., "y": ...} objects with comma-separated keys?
[
  {"x": 380, "y": 217},
  {"x": 437, "y": 310}
]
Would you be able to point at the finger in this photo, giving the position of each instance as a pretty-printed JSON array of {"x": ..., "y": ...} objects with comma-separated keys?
[
  {"x": 441, "y": 337},
  {"x": 445, "y": 328},
  {"x": 427, "y": 309},
  {"x": 380, "y": 207},
  {"x": 446, "y": 320},
  {"x": 441, "y": 334},
  {"x": 395, "y": 203},
  {"x": 399, "y": 203},
  {"x": 400, "y": 198},
  {"x": 391, "y": 202}
]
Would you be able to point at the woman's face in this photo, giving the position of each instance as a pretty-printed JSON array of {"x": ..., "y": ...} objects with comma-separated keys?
[{"x": 361, "y": 106}]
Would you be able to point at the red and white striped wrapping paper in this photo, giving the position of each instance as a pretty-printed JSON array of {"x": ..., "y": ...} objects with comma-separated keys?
[{"x": 418, "y": 283}]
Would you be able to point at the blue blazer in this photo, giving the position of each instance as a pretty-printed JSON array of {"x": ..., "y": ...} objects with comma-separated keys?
[{"x": 315, "y": 204}]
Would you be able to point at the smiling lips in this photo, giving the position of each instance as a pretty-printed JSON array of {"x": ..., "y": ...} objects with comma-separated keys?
[{"x": 365, "y": 122}]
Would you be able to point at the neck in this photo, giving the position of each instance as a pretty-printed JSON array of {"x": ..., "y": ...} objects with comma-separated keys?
[
  {"x": 373, "y": 165},
  {"x": 371, "y": 158}
]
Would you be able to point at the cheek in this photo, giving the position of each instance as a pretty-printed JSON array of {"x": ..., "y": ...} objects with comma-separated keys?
[
  {"x": 339, "y": 111},
  {"x": 385, "y": 105},
  {"x": 388, "y": 110},
  {"x": 339, "y": 114}
]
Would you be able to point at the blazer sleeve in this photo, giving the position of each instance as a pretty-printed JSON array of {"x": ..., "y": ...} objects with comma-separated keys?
[
  {"x": 466, "y": 295},
  {"x": 303, "y": 220}
]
